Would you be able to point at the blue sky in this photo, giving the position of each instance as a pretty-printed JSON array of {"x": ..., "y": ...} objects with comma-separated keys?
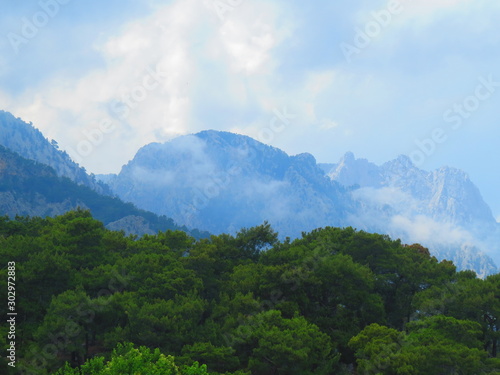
[{"x": 378, "y": 78}]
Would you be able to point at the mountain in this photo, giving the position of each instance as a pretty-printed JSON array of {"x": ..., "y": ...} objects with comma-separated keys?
[
  {"x": 24, "y": 139},
  {"x": 444, "y": 194},
  {"x": 220, "y": 182}
]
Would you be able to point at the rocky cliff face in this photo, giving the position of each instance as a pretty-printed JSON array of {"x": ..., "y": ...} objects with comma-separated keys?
[{"x": 444, "y": 194}]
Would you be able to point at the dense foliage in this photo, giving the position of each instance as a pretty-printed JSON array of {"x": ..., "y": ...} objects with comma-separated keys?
[{"x": 336, "y": 301}]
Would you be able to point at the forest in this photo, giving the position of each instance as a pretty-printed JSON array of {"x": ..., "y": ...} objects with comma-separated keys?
[{"x": 335, "y": 301}]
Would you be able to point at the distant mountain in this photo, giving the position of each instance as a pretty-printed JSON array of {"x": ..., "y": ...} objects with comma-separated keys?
[
  {"x": 220, "y": 182},
  {"x": 444, "y": 194},
  {"x": 23, "y": 138}
]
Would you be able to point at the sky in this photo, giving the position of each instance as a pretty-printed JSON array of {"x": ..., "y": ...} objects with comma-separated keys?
[{"x": 378, "y": 78}]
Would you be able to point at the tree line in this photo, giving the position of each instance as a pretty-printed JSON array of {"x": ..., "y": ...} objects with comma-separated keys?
[{"x": 335, "y": 301}]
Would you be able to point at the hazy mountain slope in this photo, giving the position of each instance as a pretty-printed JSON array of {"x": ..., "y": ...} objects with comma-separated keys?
[
  {"x": 28, "y": 188},
  {"x": 220, "y": 182},
  {"x": 26, "y": 140},
  {"x": 444, "y": 194}
]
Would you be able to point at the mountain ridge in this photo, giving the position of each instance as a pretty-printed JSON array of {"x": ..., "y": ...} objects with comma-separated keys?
[
  {"x": 28, "y": 188},
  {"x": 440, "y": 187}
]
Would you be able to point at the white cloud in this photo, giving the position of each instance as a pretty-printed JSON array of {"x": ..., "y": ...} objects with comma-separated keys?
[
  {"x": 426, "y": 230},
  {"x": 380, "y": 197},
  {"x": 248, "y": 49},
  {"x": 178, "y": 40}
]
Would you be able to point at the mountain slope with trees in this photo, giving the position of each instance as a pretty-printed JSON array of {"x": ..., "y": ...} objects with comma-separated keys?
[
  {"x": 28, "y": 188},
  {"x": 26, "y": 140},
  {"x": 220, "y": 182}
]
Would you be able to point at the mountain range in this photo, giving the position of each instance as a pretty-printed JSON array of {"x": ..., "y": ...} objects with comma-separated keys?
[{"x": 220, "y": 182}]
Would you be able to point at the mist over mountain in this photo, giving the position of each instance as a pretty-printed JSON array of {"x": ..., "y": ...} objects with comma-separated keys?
[
  {"x": 220, "y": 182},
  {"x": 444, "y": 194}
]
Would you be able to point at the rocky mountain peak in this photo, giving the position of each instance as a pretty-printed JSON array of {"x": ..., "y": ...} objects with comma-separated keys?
[{"x": 353, "y": 172}]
